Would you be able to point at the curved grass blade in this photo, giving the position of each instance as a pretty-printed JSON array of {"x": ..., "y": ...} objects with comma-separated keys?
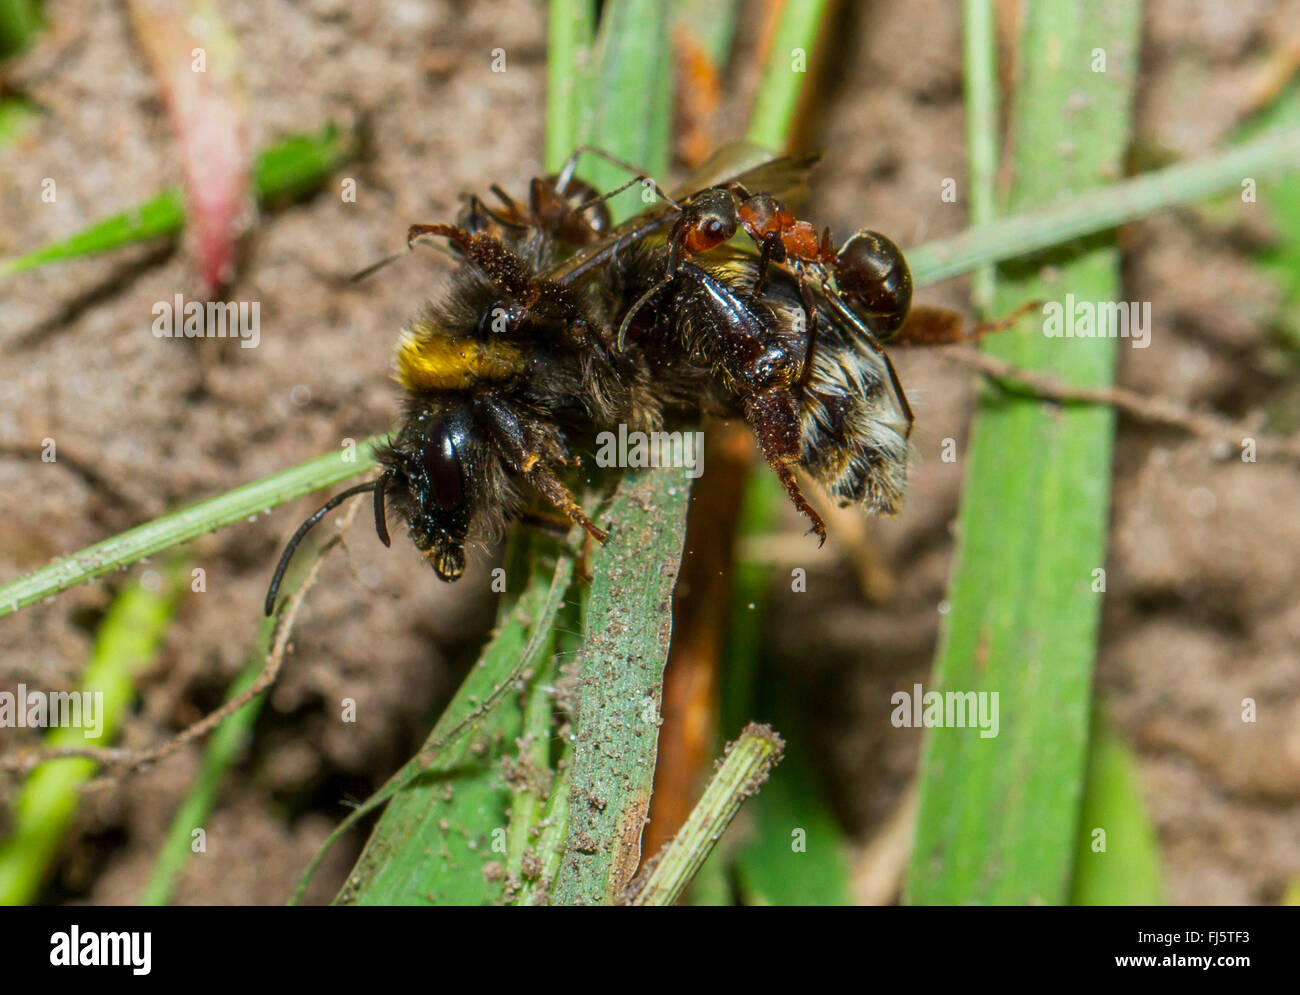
[
  {"x": 786, "y": 70},
  {"x": 1117, "y": 857},
  {"x": 181, "y": 526},
  {"x": 744, "y": 768},
  {"x": 223, "y": 748}
]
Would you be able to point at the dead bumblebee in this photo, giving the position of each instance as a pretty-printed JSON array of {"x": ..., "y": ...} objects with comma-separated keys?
[
  {"x": 497, "y": 374},
  {"x": 555, "y": 326}
]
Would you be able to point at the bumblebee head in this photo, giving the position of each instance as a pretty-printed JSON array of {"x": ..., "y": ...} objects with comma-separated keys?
[{"x": 426, "y": 477}]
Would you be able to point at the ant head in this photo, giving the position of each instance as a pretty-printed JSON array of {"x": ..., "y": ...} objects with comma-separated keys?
[
  {"x": 708, "y": 220},
  {"x": 873, "y": 275}
]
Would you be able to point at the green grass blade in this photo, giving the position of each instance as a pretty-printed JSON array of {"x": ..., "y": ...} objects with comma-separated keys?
[
  {"x": 549, "y": 828},
  {"x": 164, "y": 215},
  {"x": 128, "y": 641},
  {"x": 742, "y": 771},
  {"x": 19, "y": 22},
  {"x": 181, "y": 526},
  {"x": 629, "y": 112},
  {"x": 1038, "y": 226},
  {"x": 979, "y": 43},
  {"x": 998, "y": 815},
  {"x": 625, "y": 647},
  {"x": 285, "y": 170},
  {"x": 629, "y": 613},
  {"x": 783, "y": 76},
  {"x": 16, "y": 116},
  {"x": 448, "y": 822},
  {"x": 1117, "y": 858},
  {"x": 569, "y": 30}
]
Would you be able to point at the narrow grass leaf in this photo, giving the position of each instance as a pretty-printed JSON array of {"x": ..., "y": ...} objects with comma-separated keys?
[
  {"x": 223, "y": 749},
  {"x": 742, "y": 771},
  {"x": 189, "y": 523},
  {"x": 998, "y": 814},
  {"x": 127, "y": 642},
  {"x": 1117, "y": 857},
  {"x": 622, "y": 657}
]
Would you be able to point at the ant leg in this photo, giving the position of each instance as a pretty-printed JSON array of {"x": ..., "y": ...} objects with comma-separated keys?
[
  {"x": 932, "y": 326},
  {"x": 457, "y": 236},
  {"x": 770, "y": 249},
  {"x": 477, "y": 211},
  {"x": 670, "y": 271},
  {"x": 638, "y": 175},
  {"x": 508, "y": 202},
  {"x": 640, "y": 302},
  {"x": 772, "y": 415},
  {"x": 810, "y": 315}
]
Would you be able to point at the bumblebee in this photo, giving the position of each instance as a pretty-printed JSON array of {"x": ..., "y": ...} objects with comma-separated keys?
[{"x": 556, "y": 325}]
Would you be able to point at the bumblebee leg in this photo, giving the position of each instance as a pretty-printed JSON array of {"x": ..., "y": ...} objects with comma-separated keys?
[
  {"x": 544, "y": 521},
  {"x": 550, "y": 487},
  {"x": 512, "y": 440},
  {"x": 507, "y": 271},
  {"x": 457, "y": 236},
  {"x": 774, "y": 418}
]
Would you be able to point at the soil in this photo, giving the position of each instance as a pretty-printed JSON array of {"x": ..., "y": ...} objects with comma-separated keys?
[{"x": 1201, "y": 608}]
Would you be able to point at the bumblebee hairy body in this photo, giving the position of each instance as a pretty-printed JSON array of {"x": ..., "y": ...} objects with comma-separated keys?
[
  {"x": 491, "y": 401},
  {"x": 854, "y": 421}
]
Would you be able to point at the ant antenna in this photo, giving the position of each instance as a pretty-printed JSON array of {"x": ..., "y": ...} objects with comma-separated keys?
[{"x": 373, "y": 485}]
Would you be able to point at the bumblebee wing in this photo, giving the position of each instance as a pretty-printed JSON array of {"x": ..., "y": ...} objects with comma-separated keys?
[
  {"x": 755, "y": 168},
  {"x": 784, "y": 177}
]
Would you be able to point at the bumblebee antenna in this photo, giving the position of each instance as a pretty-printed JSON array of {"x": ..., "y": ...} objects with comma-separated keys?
[
  {"x": 374, "y": 267},
  {"x": 305, "y": 527},
  {"x": 381, "y": 516}
]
